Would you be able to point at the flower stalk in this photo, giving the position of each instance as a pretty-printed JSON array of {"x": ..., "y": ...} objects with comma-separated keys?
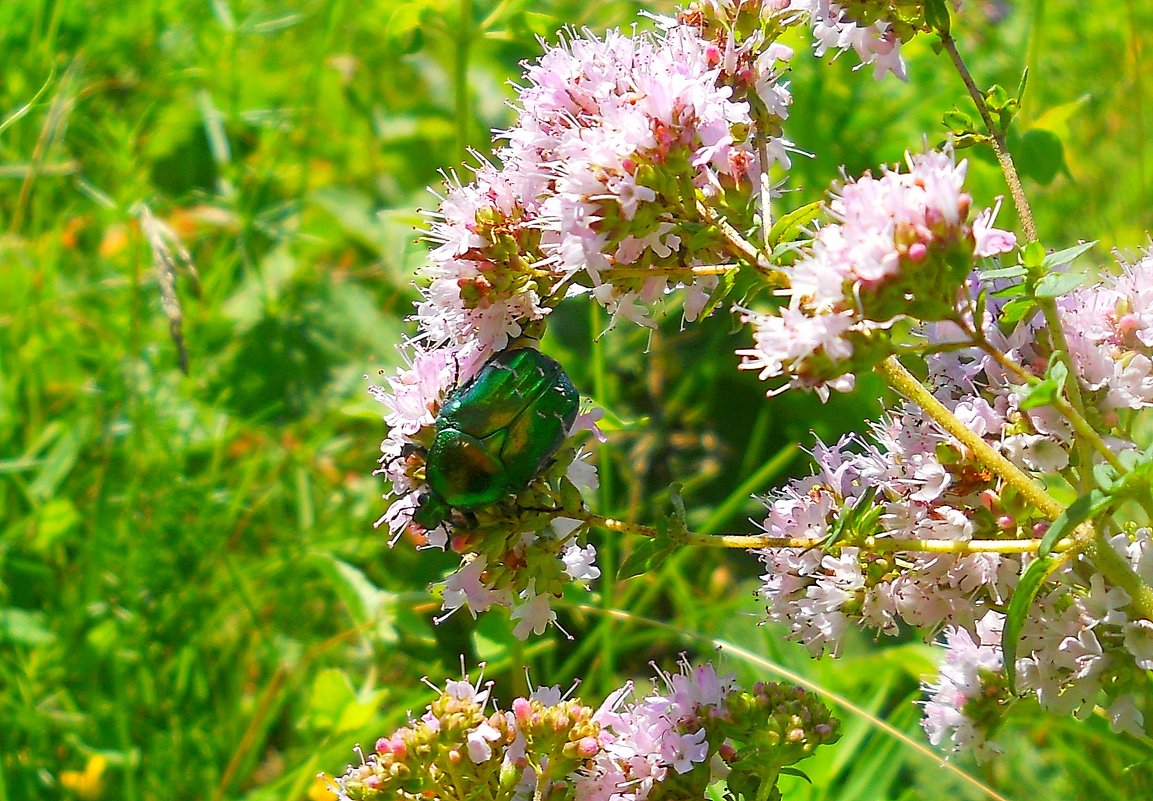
[
  {"x": 874, "y": 544},
  {"x": 1085, "y": 539}
]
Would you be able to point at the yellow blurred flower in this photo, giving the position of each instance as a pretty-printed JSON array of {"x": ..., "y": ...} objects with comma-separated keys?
[
  {"x": 321, "y": 789},
  {"x": 88, "y": 783}
]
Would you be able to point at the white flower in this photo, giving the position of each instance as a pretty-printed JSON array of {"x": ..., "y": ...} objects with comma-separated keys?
[
  {"x": 580, "y": 563},
  {"x": 479, "y": 738},
  {"x": 467, "y": 586},
  {"x": 1124, "y": 716},
  {"x": 1105, "y": 605},
  {"x": 1139, "y": 642},
  {"x": 533, "y": 614},
  {"x": 964, "y": 663}
]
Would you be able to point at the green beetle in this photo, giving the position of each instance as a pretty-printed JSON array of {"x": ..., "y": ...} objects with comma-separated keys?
[{"x": 497, "y": 433}]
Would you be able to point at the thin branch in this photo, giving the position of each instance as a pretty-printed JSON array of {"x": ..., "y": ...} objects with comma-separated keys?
[
  {"x": 741, "y": 247},
  {"x": 1012, "y": 177}
]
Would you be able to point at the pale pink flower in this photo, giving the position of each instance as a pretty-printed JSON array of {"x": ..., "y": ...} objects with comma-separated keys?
[
  {"x": 532, "y": 614},
  {"x": 833, "y": 30},
  {"x": 580, "y": 563},
  {"x": 479, "y": 742},
  {"x": 965, "y": 666}
]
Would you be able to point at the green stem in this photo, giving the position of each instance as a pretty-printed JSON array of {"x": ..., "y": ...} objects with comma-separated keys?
[
  {"x": 1028, "y": 224},
  {"x": 1086, "y": 539},
  {"x": 1077, "y": 420},
  {"x": 463, "y": 111},
  {"x": 1076, "y": 400},
  {"x": 871, "y": 544},
  {"x": 1088, "y": 436},
  {"x": 907, "y": 385},
  {"x": 879, "y": 544},
  {"x": 1016, "y": 190},
  {"x": 671, "y": 272},
  {"x": 739, "y": 246}
]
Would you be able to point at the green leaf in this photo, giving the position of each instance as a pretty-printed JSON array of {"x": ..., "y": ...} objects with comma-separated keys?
[
  {"x": 1033, "y": 255},
  {"x": 366, "y": 602},
  {"x": 54, "y": 521},
  {"x": 855, "y": 522},
  {"x": 1135, "y": 484},
  {"x": 968, "y": 140},
  {"x": 1012, "y": 271},
  {"x": 1017, "y": 310},
  {"x": 937, "y": 15},
  {"x": 981, "y": 305},
  {"x": 24, "y": 627},
  {"x": 1045, "y": 393},
  {"x": 1054, "y": 285},
  {"x": 56, "y": 465},
  {"x": 1019, "y": 606},
  {"x": 797, "y": 772},
  {"x": 332, "y": 693},
  {"x": 1134, "y": 459},
  {"x": 1105, "y": 476},
  {"x": 1060, "y": 258},
  {"x": 1039, "y": 154},
  {"x": 1017, "y": 290},
  {"x": 405, "y": 27},
  {"x": 959, "y": 122},
  {"x": 996, "y": 98},
  {"x": 643, "y": 557},
  {"x": 1089, "y": 505},
  {"x": 719, "y": 294},
  {"x": 791, "y": 227},
  {"x": 1023, "y": 83}
]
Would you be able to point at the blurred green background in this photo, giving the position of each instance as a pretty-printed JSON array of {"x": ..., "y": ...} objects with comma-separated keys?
[{"x": 193, "y": 601}]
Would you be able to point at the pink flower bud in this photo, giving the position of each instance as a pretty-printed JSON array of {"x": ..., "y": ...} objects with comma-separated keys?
[
  {"x": 964, "y": 202},
  {"x": 1128, "y": 324},
  {"x": 588, "y": 747},
  {"x": 462, "y": 543},
  {"x": 990, "y": 499}
]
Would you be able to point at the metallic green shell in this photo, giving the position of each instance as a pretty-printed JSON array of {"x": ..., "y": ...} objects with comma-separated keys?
[{"x": 497, "y": 433}]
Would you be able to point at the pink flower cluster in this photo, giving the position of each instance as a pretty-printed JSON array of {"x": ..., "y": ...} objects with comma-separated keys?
[
  {"x": 644, "y": 741},
  {"x": 614, "y": 138},
  {"x": 597, "y": 189},
  {"x": 833, "y": 26},
  {"x": 900, "y": 246},
  {"x": 1080, "y": 649},
  {"x": 1110, "y": 332},
  {"x": 671, "y": 743},
  {"x": 894, "y": 485},
  {"x": 834, "y": 29},
  {"x": 911, "y": 481}
]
